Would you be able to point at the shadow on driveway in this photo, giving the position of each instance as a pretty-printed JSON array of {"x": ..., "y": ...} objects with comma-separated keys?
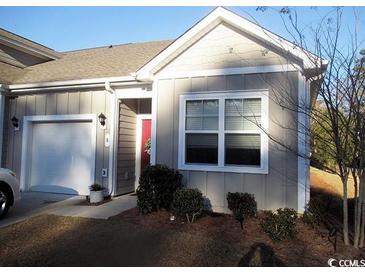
[{"x": 32, "y": 203}]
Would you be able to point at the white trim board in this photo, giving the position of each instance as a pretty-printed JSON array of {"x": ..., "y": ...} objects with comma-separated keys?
[
  {"x": 71, "y": 82},
  {"x": 221, "y": 96},
  {"x": 154, "y": 110},
  {"x": 133, "y": 93},
  {"x": 227, "y": 71},
  {"x": 303, "y": 144},
  {"x": 28, "y": 121}
]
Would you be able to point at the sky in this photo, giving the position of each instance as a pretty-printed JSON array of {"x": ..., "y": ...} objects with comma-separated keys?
[{"x": 72, "y": 28}]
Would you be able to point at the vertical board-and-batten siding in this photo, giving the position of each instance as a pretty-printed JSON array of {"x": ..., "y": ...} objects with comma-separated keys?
[
  {"x": 60, "y": 103},
  {"x": 276, "y": 189}
]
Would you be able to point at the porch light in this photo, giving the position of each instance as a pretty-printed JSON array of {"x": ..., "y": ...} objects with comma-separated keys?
[
  {"x": 15, "y": 122},
  {"x": 102, "y": 119}
]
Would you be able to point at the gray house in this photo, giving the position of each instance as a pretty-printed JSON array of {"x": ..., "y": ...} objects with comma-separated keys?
[{"x": 207, "y": 104}]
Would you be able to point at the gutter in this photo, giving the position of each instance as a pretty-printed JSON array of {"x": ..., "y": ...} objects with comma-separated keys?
[{"x": 73, "y": 84}]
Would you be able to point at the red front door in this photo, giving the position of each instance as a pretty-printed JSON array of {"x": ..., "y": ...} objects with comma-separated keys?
[{"x": 145, "y": 144}]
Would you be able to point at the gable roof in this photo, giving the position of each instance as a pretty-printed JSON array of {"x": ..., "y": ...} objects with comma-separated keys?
[
  {"x": 305, "y": 59},
  {"x": 119, "y": 60},
  {"x": 143, "y": 60}
]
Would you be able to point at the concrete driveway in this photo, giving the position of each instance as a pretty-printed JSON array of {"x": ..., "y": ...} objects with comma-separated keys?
[{"x": 35, "y": 203}]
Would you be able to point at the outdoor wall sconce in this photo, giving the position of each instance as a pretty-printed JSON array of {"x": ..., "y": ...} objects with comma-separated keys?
[
  {"x": 102, "y": 119},
  {"x": 15, "y": 122}
]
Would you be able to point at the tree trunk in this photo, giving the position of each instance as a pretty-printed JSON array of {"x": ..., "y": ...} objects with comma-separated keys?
[
  {"x": 356, "y": 200},
  {"x": 358, "y": 211},
  {"x": 345, "y": 211},
  {"x": 362, "y": 227}
]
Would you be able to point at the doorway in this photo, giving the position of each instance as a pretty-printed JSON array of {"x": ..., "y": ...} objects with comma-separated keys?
[
  {"x": 143, "y": 144},
  {"x": 134, "y": 139}
]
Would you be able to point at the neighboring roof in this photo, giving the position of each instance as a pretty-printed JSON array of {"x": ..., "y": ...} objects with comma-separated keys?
[
  {"x": 305, "y": 59},
  {"x": 119, "y": 60},
  {"x": 13, "y": 40}
]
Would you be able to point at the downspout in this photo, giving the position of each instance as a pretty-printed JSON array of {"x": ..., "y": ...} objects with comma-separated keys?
[
  {"x": 109, "y": 88},
  {"x": 111, "y": 173}
]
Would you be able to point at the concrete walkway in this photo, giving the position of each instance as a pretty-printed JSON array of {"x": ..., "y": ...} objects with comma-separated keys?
[
  {"x": 72, "y": 207},
  {"x": 35, "y": 203}
]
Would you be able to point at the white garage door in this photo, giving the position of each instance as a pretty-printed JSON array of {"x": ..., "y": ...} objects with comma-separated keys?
[{"x": 61, "y": 157}]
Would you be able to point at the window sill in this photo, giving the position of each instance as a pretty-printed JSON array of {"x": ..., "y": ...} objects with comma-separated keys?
[{"x": 228, "y": 169}]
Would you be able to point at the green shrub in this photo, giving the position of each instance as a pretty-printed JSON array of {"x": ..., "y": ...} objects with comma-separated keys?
[
  {"x": 280, "y": 225},
  {"x": 188, "y": 202},
  {"x": 157, "y": 185},
  {"x": 315, "y": 211},
  {"x": 242, "y": 205}
]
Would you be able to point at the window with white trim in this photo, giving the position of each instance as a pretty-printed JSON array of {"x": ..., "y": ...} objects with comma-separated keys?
[
  {"x": 201, "y": 131},
  {"x": 224, "y": 132},
  {"x": 241, "y": 146}
]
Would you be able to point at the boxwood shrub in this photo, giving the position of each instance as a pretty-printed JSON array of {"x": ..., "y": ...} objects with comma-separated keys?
[
  {"x": 156, "y": 189},
  {"x": 188, "y": 203},
  {"x": 280, "y": 225},
  {"x": 242, "y": 205}
]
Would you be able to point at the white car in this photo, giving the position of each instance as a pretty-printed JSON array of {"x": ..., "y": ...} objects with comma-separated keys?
[{"x": 9, "y": 190}]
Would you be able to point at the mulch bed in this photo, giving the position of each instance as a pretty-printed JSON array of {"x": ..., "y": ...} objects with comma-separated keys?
[
  {"x": 131, "y": 239},
  {"x": 311, "y": 247}
]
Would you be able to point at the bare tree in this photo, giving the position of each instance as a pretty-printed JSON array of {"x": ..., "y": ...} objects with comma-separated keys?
[
  {"x": 357, "y": 80},
  {"x": 341, "y": 93}
]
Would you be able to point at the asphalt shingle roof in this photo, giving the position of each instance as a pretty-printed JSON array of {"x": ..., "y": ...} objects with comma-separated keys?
[
  {"x": 119, "y": 60},
  {"x": 9, "y": 73}
]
